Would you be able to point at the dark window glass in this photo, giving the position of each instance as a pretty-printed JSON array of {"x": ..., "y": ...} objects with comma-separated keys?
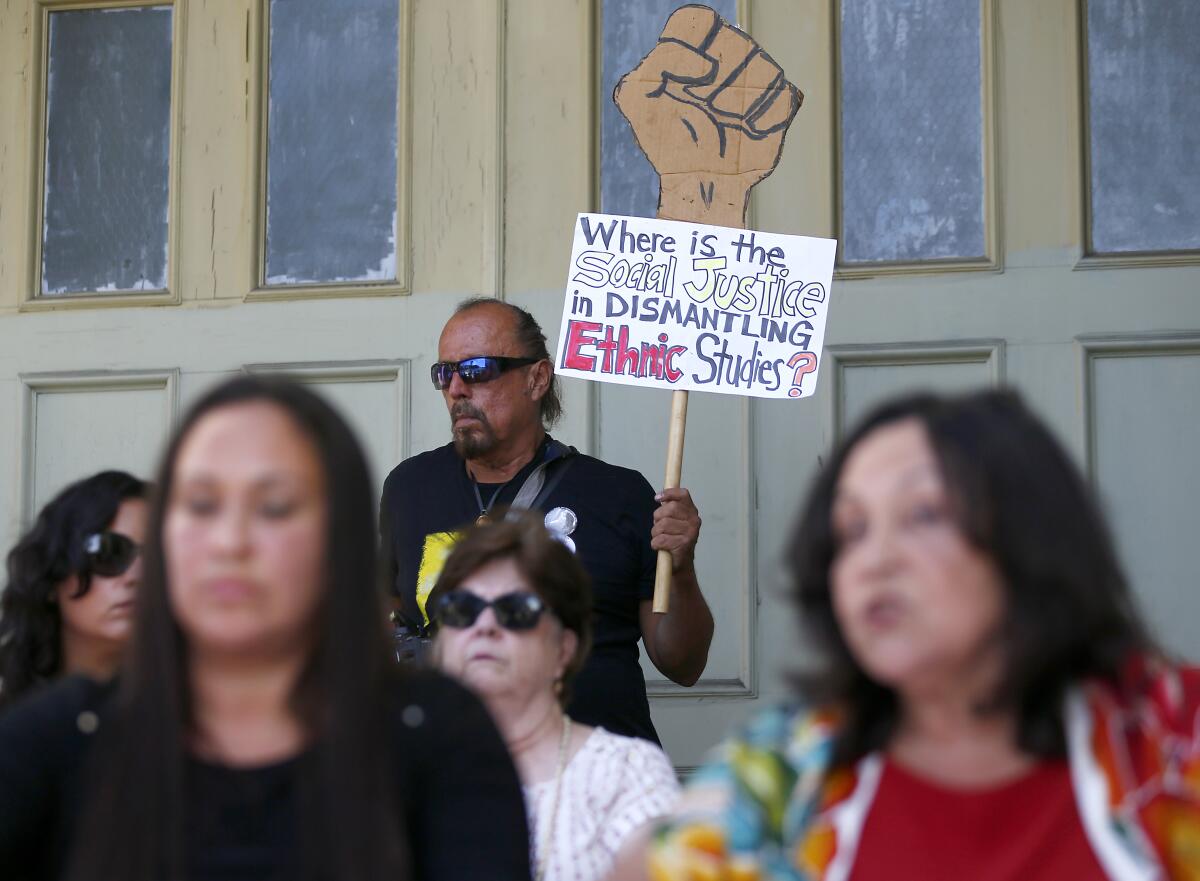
[
  {"x": 331, "y": 141},
  {"x": 911, "y": 131},
  {"x": 108, "y": 120},
  {"x": 1144, "y": 125}
]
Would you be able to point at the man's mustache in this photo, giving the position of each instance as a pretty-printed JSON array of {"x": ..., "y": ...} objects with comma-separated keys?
[{"x": 465, "y": 408}]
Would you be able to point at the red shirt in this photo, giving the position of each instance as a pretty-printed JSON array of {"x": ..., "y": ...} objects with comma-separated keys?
[{"x": 1026, "y": 830}]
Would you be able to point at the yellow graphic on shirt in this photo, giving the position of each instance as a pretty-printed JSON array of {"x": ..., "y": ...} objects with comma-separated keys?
[{"x": 438, "y": 546}]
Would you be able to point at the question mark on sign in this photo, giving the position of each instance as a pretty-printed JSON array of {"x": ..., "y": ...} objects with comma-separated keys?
[{"x": 805, "y": 363}]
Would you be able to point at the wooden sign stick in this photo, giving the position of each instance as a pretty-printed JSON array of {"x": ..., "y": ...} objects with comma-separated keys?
[
  {"x": 709, "y": 108},
  {"x": 662, "y": 575}
]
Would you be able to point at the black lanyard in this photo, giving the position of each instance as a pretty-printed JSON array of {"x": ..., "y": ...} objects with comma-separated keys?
[{"x": 536, "y": 488}]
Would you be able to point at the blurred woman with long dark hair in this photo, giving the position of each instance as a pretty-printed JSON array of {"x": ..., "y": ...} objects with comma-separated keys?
[
  {"x": 72, "y": 578},
  {"x": 260, "y": 729}
]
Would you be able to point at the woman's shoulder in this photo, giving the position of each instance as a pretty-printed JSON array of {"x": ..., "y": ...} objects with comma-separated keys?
[
  {"x": 632, "y": 754},
  {"x": 434, "y": 708},
  {"x": 601, "y": 740},
  {"x": 755, "y": 796},
  {"x": 1141, "y": 737},
  {"x": 72, "y": 704},
  {"x": 774, "y": 750},
  {"x": 621, "y": 783},
  {"x": 1151, "y": 686},
  {"x": 428, "y": 689},
  {"x": 48, "y": 732},
  {"x": 429, "y": 685},
  {"x": 792, "y": 728}
]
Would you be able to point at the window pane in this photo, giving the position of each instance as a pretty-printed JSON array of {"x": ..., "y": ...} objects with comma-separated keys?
[
  {"x": 331, "y": 141},
  {"x": 630, "y": 28},
  {"x": 108, "y": 118},
  {"x": 912, "y": 131},
  {"x": 1144, "y": 117}
]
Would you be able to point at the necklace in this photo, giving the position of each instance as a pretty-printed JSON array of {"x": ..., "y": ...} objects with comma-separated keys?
[
  {"x": 529, "y": 493},
  {"x": 485, "y": 511},
  {"x": 547, "y": 836}
]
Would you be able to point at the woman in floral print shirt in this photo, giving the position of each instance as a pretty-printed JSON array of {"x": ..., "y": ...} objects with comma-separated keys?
[{"x": 990, "y": 705}]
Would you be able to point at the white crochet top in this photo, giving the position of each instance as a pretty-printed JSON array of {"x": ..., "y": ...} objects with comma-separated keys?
[{"x": 610, "y": 788}]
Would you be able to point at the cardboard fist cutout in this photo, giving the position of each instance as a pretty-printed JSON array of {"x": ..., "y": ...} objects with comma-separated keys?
[{"x": 709, "y": 108}]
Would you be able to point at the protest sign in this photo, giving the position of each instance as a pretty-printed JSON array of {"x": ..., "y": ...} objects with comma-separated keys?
[
  {"x": 710, "y": 109},
  {"x": 692, "y": 307}
]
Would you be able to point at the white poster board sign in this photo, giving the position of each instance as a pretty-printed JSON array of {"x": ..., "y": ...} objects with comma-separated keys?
[{"x": 685, "y": 306}]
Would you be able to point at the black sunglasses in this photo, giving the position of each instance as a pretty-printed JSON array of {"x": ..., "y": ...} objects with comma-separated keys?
[
  {"x": 519, "y": 610},
  {"x": 110, "y": 553},
  {"x": 485, "y": 368}
]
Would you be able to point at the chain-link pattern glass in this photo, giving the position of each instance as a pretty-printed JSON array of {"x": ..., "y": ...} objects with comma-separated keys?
[
  {"x": 108, "y": 121},
  {"x": 912, "y": 131},
  {"x": 1144, "y": 125},
  {"x": 331, "y": 141}
]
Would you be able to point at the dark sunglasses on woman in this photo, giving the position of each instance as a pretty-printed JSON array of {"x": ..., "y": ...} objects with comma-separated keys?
[
  {"x": 519, "y": 610},
  {"x": 485, "y": 368},
  {"x": 110, "y": 553}
]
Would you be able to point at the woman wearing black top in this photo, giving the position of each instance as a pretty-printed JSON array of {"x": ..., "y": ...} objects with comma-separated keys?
[
  {"x": 260, "y": 730},
  {"x": 68, "y": 604}
]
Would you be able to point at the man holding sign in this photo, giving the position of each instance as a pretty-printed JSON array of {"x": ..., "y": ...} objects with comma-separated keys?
[
  {"x": 495, "y": 374},
  {"x": 692, "y": 305}
]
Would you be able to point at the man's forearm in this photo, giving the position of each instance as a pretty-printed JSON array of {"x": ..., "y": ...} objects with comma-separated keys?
[{"x": 682, "y": 636}]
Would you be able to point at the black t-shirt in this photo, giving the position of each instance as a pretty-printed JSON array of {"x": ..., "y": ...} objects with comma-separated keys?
[
  {"x": 429, "y": 499},
  {"x": 457, "y": 789}
]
